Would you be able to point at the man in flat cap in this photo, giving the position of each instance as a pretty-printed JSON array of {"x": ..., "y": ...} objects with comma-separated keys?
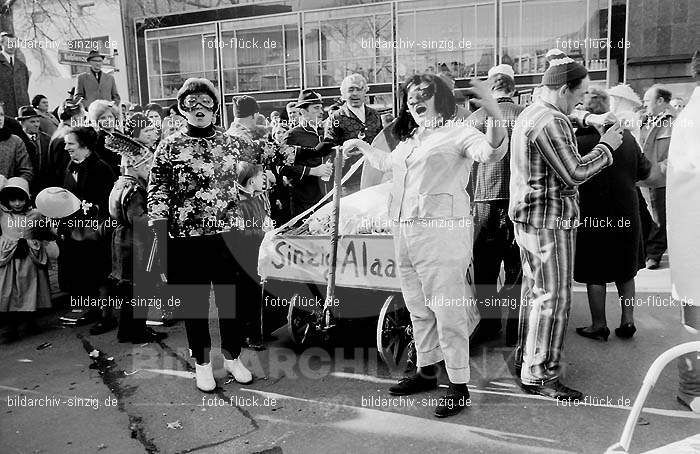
[{"x": 96, "y": 84}]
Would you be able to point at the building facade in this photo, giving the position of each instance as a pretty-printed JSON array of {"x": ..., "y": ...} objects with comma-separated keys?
[
  {"x": 663, "y": 36},
  {"x": 272, "y": 49}
]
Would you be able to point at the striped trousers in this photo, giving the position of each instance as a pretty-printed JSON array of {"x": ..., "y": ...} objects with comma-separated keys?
[{"x": 547, "y": 257}]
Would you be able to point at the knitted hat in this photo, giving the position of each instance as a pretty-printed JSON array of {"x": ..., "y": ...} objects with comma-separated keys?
[
  {"x": 195, "y": 85},
  {"x": 502, "y": 69},
  {"x": 244, "y": 106},
  {"x": 562, "y": 69},
  {"x": 624, "y": 91},
  {"x": 136, "y": 124}
]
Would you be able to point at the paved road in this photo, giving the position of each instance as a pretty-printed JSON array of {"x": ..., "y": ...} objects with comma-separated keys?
[{"x": 141, "y": 398}]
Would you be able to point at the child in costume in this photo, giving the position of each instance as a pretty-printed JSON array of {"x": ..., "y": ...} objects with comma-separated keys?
[
  {"x": 131, "y": 239},
  {"x": 24, "y": 278}
]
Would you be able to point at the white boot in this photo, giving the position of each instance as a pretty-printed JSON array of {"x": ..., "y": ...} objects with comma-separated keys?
[
  {"x": 205, "y": 377},
  {"x": 240, "y": 373}
]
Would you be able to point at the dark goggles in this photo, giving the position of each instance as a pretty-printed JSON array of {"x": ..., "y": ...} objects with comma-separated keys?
[
  {"x": 192, "y": 101},
  {"x": 418, "y": 94}
]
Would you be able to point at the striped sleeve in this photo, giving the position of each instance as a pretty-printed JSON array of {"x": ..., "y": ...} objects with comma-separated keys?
[{"x": 557, "y": 145}]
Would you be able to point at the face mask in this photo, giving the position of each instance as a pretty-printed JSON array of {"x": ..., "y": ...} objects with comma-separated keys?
[
  {"x": 421, "y": 94},
  {"x": 192, "y": 101}
]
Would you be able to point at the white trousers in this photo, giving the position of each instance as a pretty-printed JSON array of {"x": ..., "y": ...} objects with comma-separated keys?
[{"x": 433, "y": 261}]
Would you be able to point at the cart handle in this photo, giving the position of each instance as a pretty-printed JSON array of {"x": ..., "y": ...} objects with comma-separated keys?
[{"x": 649, "y": 381}]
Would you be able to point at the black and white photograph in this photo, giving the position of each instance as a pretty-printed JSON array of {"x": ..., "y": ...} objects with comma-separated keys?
[{"x": 349, "y": 226}]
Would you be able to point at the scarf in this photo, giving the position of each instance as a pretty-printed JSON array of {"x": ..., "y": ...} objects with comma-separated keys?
[{"x": 194, "y": 131}]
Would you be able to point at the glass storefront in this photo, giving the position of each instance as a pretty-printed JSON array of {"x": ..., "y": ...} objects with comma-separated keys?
[
  {"x": 176, "y": 54},
  {"x": 384, "y": 41},
  {"x": 530, "y": 28},
  {"x": 458, "y": 40},
  {"x": 346, "y": 41},
  {"x": 246, "y": 68}
]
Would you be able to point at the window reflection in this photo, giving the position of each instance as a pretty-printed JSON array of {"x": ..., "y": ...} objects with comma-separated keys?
[
  {"x": 261, "y": 58},
  {"x": 457, "y": 41},
  {"x": 338, "y": 46},
  {"x": 174, "y": 55},
  {"x": 530, "y": 28}
]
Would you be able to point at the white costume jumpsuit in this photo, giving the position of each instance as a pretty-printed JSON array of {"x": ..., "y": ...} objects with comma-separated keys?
[{"x": 433, "y": 237}]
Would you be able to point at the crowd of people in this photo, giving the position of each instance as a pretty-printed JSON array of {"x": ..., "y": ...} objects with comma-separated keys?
[{"x": 572, "y": 186}]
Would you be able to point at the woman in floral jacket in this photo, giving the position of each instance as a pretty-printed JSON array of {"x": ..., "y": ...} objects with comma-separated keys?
[{"x": 192, "y": 206}]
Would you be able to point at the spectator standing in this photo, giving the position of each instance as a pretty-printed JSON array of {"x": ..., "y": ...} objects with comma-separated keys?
[
  {"x": 71, "y": 114},
  {"x": 656, "y": 138},
  {"x": 14, "y": 158},
  {"x": 48, "y": 122},
  {"x": 609, "y": 242},
  {"x": 90, "y": 179},
  {"x": 38, "y": 148},
  {"x": 131, "y": 238},
  {"x": 354, "y": 119},
  {"x": 103, "y": 116},
  {"x": 307, "y": 187},
  {"x": 494, "y": 238},
  {"x": 96, "y": 84},
  {"x": 14, "y": 76}
]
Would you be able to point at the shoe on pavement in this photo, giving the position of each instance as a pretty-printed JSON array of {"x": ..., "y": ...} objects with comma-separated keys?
[
  {"x": 554, "y": 390},
  {"x": 692, "y": 405},
  {"x": 652, "y": 264},
  {"x": 240, "y": 373},
  {"x": 452, "y": 402},
  {"x": 413, "y": 384},
  {"x": 205, "y": 377}
]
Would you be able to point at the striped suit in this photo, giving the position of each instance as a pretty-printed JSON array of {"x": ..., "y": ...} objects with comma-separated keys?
[{"x": 546, "y": 169}]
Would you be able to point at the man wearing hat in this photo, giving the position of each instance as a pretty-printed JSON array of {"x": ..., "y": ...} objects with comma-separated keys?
[
  {"x": 14, "y": 159},
  {"x": 37, "y": 147},
  {"x": 307, "y": 138},
  {"x": 245, "y": 127},
  {"x": 494, "y": 241},
  {"x": 14, "y": 76},
  {"x": 546, "y": 169},
  {"x": 96, "y": 84}
]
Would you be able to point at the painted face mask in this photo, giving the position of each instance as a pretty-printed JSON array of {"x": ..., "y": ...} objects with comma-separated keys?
[{"x": 192, "y": 101}]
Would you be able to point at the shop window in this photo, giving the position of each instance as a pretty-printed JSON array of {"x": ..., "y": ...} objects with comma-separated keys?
[
  {"x": 458, "y": 41},
  {"x": 260, "y": 57},
  {"x": 351, "y": 40}
]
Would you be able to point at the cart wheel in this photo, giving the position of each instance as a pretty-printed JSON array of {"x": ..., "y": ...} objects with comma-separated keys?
[
  {"x": 299, "y": 322},
  {"x": 395, "y": 335}
]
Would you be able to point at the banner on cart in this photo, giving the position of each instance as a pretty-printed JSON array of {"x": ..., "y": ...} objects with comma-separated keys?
[{"x": 363, "y": 261}]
